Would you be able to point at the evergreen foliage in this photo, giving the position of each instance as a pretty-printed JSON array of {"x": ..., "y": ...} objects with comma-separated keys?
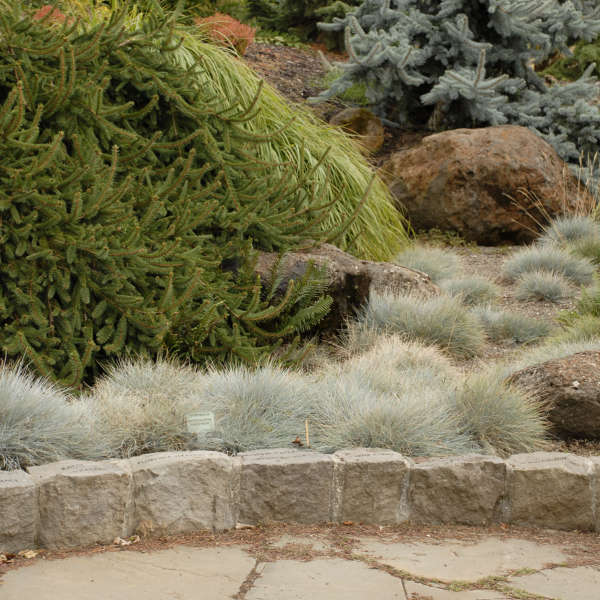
[
  {"x": 300, "y": 17},
  {"x": 463, "y": 63},
  {"x": 132, "y": 203}
]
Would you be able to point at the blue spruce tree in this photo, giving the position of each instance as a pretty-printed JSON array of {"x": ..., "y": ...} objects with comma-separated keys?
[{"x": 464, "y": 63}]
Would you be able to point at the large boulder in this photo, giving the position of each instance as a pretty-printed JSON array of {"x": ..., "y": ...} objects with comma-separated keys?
[
  {"x": 364, "y": 124},
  {"x": 570, "y": 389},
  {"x": 472, "y": 181},
  {"x": 350, "y": 280}
]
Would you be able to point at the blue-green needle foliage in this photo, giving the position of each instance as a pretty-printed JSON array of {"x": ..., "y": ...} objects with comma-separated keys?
[
  {"x": 542, "y": 285},
  {"x": 459, "y": 63},
  {"x": 569, "y": 229},
  {"x": 503, "y": 326},
  {"x": 471, "y": 290},
  {"x": 441, "y": 320},
  {"x": 438, "y": 263},
  {"x": 578, "y": 271},
  {"x": 40, "y": 423}
]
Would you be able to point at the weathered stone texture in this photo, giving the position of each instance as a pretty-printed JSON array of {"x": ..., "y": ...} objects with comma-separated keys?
[
  {"x": 371, "y": 486},
  {"x": 286, "y": 485},
  {"x": 464, "y": 489},
  {"x": 18, "y": 511},
  {"x": 177, "y": 492},
  {"x": 82, "y": 503},
  {"x": 472, "y": 181},
  {"x": 551, "y": 489}
]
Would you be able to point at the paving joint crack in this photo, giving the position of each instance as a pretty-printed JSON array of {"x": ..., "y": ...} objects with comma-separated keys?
[{"x": 248, "y": 583}]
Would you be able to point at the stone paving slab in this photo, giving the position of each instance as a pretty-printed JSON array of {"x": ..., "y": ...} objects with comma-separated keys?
[
  {"x": 301, "y": 563},
  {"x": 418, "y": 591},
  {"x": 460, "y": 561},
  {"x": 175, "y": 574},
  {"x": 324, "y": 579},
  {"x": 580, "y": 583}
]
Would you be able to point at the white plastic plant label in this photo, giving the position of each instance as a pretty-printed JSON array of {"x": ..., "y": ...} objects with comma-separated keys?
[{"x": 200, "y": 423}]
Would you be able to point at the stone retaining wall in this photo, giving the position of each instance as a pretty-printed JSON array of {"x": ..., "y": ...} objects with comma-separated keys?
[{"x": 77, "y": 503}]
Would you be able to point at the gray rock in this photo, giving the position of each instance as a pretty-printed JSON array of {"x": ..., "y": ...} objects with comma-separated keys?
[
  {"x": 82, "y": 503},
  {"x": 286, "y": 485},
  {"x": 595, "y": 460},
  {"x": 551, "y": 489},
  {"x": 371, "y": 485},
  {"x": 177, "y": 492},
  {"x": 350, "y": 280},
  {"x": 465, "y": 489},
  {"x": 18, "y": 511},
  {"x": 569, "y": 388}
]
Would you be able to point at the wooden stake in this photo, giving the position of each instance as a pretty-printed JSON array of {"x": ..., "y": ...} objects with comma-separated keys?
[{"x": 306, "y": 432}]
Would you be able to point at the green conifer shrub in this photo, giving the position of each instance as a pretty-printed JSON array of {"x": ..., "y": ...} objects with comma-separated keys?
[
  {"x": 464, "y": 63},
  {"x": 132, "y": 203},
  {"x": 300, "y": 17}
]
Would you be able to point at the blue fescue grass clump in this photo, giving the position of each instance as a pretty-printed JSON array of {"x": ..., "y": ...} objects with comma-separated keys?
[
  {"x": 568, "y": 229},
  {"x": 438, "y": 263},
  {"x": 551, "y": 259},
  {"x": 408, "y": 397},
  {"x": 440, "y": 320},
  {"x": 588, "y": 248},
  {"x": 40, "y": 423},
  {"x": 502, "y": 326},
  {"x": 141, "y": 406},
  {"x": 498, "y": 416},
  {"x": 471, "y": 290},
  {"x": 257, "y": 408},
  {"x": 542, "y": 285}
]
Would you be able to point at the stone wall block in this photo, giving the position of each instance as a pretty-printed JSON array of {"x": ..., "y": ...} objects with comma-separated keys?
[
  {"x": 551, "y": 489},
  {"x": 371, "y": 486},
  {"x": 18, "y": 511},
  {"x": 82, "y": 503},
  {"x": 466, "y": 489},
  {"x": 178, "y": 492},
  {"x": 595, "y": 460},
  {"x": 286, "y": 485}
]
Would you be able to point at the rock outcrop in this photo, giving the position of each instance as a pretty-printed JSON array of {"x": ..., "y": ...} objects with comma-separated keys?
[
  {"x": 490, "y": 185},
  {"x": 350, "y": 280},
  {"x": 570, "y": 388}
]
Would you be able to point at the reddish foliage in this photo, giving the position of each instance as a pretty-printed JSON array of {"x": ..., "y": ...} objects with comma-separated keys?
[
  {"x": 55, "y": 14},
  {"x": 226, "y": 30}
]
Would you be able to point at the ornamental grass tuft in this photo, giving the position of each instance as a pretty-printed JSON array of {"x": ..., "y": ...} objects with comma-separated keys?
[
  {"x": 40, "y": 423},
  {"x": 440, "y": 320},
  {"x": 471, "y": 290},
  {"x": 438, "y": 263},
  {"x": 500, "y": 325},
  {"x": 542, "y": 285},
  {"x": 579, "y": 271}
]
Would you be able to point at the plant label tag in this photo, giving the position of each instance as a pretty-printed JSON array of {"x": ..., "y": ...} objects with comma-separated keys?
[{"x": 200, "y": 423}]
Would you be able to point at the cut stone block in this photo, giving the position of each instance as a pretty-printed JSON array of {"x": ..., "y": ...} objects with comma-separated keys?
[
  {"x": 18, "y": 511},
  {"x": 178, "y": 492},
  {"x": 551, "y": 489},
  {"x": 371, "y": 486},
  {"x": 595, "y": 460},
  {"x": 82, "y": 503},
  {"x": 466, "y": 489},
  {"x": 286, "y": 485}
]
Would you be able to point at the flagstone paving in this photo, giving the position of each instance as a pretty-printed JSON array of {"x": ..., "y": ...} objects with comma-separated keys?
[{"x": 319, "y": 563}]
